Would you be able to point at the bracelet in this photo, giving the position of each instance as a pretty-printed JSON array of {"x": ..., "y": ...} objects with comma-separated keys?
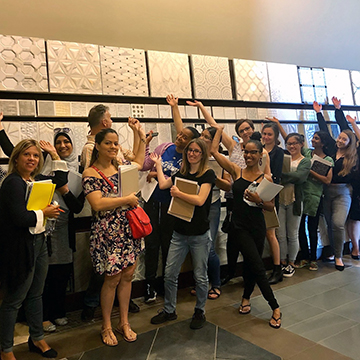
[{"x": 260, "y": 204}]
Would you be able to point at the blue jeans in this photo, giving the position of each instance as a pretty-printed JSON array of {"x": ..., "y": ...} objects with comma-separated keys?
[
  {"x": 180, "y": 245},
  {"x": 337, "y": 203},
  {"x": 214, "y": 262},
  {"x": 29, "y": 293}
]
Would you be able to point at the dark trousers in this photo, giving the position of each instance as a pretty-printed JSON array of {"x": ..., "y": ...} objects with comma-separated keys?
[
  {"x": 251, "y": 245},
  {"x": 92, "y": 295},
  {"x": 232, "y": 252},
  {"x": 55, "y": 291},
  {"x": 313, "y": 223},
  {"x": 163, "y": 226}
]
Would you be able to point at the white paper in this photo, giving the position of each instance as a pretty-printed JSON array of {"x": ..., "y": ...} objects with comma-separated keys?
[
  {"x": 323, "y": 161},
  {"x": 268, "y": 190},
  {"x": 147, "y": 188},
  {"x": 74, "y": 182}
]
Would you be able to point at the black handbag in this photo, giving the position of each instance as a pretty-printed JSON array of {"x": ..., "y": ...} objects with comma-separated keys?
[{"x": 226, "y": 223}]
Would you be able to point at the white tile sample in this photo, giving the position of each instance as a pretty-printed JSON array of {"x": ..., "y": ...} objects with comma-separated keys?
[
  {"x": 22, "y": 64},
  {"x": 126, "y": 136},
  {"x": 123, "y": 110},
  {"x": 29, "y": 130},
  {"x": 137, "y": 110},
  {"x": 165, "y": 111},
  {"x": 46, "y": 108},
  {"x": 74, "y": 67},
  {"x": 338, "y": 84},
  {"x": 191, "y": 112},
  {"x": 164, "y": 131},
  {"x": 229, "y": 113},
  {"x": 262, "y": 113},
  {"x": 284, "y": 83},
  {"x": 169, "y": 73},
  {"x": 252, "y": 113},
  {"x": 112, "y": 109},
  {"x": 123, "y": 71},
  {"x": 355, "y": 80},
  {"x": 78, "y": 109},
  {"x": 27, "y": 108},
  {"x": 211, "y": 76},
  {"x": 218, "y": 112},
  {"x": 80, "y": 131},
  {"x": 240, "y": 113},
  {"x": 151, "y": 111},
  {"x": 251, "y": 80},
  {"x": 9, "y": 107}
]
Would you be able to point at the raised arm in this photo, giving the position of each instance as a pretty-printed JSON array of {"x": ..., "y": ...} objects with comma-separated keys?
[
  {"x": 339, "y": 114},
  {"x": 128, "y": 154},
  {"x": 163, "y": 182},
  {"x": 5, "y": 142},
  {"x": 228, "y": 142},
  {"x": 320, "y": 118},
  {"x": 277, "y": 122},
  {"x": 355, "y": 127},
  {"x": 173, "y": 102},
  {"x": 140, "y": 152}
]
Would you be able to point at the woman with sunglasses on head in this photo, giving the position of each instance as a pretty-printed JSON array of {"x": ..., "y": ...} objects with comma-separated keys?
[
  {"x": 113, "y": 250},
  {"x": 247, "y": 230},
  {"x": 62, "y": 239},
  {"x": 291, "y": 203},
  {"x": 23, "y": 251},
  {"x": 193, "y": 236}
]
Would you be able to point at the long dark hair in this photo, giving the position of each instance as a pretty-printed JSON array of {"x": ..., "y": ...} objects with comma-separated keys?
[
  {"x": 99, "y": 137},
  {"x": 329, "y": 144}
]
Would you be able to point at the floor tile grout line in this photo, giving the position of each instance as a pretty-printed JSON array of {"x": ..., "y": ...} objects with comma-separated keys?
[
  {"x": 216, "y": 341},
  {"x": 319, "y": 342},
  {"x": 152, "y": 344},
  {"x": 81, "y": 355}
]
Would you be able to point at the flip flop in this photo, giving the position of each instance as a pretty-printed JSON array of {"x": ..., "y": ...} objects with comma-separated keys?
[
  {"x": 242, "y": 307},
  {"x": 276, "y": 326},
  {"x": 215, "y": 292}
]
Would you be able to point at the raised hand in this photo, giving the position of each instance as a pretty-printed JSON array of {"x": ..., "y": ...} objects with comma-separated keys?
[
  {"x": 350, "y": 119},
  {"x": 336, "y": 102},
  {"x": 172, "y": 100},
  {"x": 317, "y": 107},
  {"x": 134, "y": 124},
  {"x": 155, "y": 158},
  {"x": 149, "y": 137},
  {"x": 194, "y": 103},
  {"x": 272, "y": 119},
  {"x": 47, "y": 146}
]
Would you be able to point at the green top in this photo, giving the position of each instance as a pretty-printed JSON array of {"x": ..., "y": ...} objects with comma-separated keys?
[{"x": 313, "y": 188}]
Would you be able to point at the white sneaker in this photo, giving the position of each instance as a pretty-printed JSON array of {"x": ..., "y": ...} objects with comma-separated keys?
[
  {"x": 48, "y": 326},
  {"x": 288, "y": 271},
  {"x": 61, "y": 321}
]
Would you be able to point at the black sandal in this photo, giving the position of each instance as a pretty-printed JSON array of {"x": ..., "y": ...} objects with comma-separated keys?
[
  {"x": 242, "y": 307},
  {"x": 276, "y": 326},
  {"x": 214, "y": 291}
]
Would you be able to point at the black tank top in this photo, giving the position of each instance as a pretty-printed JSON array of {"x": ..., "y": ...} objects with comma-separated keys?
[{"x": 244, "y": 215}]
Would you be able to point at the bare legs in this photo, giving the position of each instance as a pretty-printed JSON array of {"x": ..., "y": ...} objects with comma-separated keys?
[
  {"x": 274, "y": 245},
  {"x": 353, "y": 228}
]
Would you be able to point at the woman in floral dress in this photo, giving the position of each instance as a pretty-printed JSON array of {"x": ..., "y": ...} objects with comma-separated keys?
[{"x": 112, "y": 247}]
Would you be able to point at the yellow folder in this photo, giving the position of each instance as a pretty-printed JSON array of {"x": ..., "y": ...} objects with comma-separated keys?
[{"x": 41, "y": 195}]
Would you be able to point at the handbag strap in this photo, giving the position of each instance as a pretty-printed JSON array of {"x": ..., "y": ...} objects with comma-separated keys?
[{"x": 104, "y": 176}]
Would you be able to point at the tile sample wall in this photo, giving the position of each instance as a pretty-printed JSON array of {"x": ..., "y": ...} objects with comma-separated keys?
[
  {"x": 74, "y": 68},
  {"x": 338, "y": 84},
  {"x": 284, "y": 83},
  {"x": 169, "y": 74},
  {"x": 211, "y": 77},
  {"x": 251, "y": 79},
  {"x": 22, "y": 64},
  {"x": 9, "y": 107},
  {"x": 355, "y": 80},
  {"x": 123, "y": 71}
]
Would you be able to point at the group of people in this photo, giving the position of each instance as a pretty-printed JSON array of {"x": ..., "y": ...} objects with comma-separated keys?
[{"x": 35, "y": 269}]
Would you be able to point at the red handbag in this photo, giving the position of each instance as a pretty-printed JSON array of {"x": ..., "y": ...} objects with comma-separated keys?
[{"x": 139, "y": 222}]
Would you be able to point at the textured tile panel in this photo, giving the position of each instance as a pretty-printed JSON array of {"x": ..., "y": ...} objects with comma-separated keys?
[
  {"x": 218, "y": 112},
  {"x": 229, "y": 113},
  {"x": 22, "y": 64},
  {"x": 74, "y": 68},
  {"x": 46, "y": 108},
  {"x": 240, "y": 113},
  {"x": 165, "y": 111},
  {"x": 123, "y": 110},
  {"x": 252, "y": 113},
  {"x": 151, "y": 111},
  {"x": 191, "y": 112},
  {"x": 29, "y": 130},
  {"x": 62, "y": 108},
  {"x": 27, "y": 108},
  {"x": 123, "y": 71},
  {"x": 46, "y": 131},
  {"x": 9, "y": 107},
  {"x": 211, "y": 77},
  {"x": 78, "y": 109},
  {"x": 251, "y": 80},
  {"x": 112, "y": 109},
  {"x": 338, "y": 84},
  {"x": 284, "y": 83},
  {"x": 137, "y": 110},
  {"x": 80, "y": 131},
  {"x": 169, "y": 74}
]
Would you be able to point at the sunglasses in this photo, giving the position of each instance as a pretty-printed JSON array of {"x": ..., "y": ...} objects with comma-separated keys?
[{"x": 65, "y": 130}]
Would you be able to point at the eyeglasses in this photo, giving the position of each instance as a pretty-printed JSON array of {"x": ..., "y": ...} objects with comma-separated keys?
[
  {"x": 245, "y": 129},
  {"x": 292, "y": 144},
  {"x": 64, "y": 130},
  {"x": 195, "y": 151},
  {"x": 252, "y": 152}
]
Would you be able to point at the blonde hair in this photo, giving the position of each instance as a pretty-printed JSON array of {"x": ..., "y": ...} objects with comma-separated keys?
[
  {"x": 203, "y": 166},
  {"x": 350, "y": 154},
  {"x": 19, "y": 149}
]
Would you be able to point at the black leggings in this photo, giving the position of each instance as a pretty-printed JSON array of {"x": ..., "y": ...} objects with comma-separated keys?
[{"x": 251, "y": 245}]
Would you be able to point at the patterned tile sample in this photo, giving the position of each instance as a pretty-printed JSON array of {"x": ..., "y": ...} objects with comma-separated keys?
[
  {"x": 211, "y": 77},
  {"x": 78, "y": 109},
  {"x": 284, "y": 83},
  {"x": 262, "y": 113},
  {"x": 46, "y": 108},
  {"x": 126, "y": 136},
  {"x": 123, "y": 71},
  {"x": 27, "y": 108},
  {"x": 164, "y": 132},
  {"x": 251, "y": 80},
  {"x": 46, "y": 131},
  {"x": 218, "y": 112},
  {"x": 229, "y": 113},
  {"x": 80, "y": 131},
  {"x": 191, "y": 112},
  {"x": 252, "y": 113},
  {"x": 137, "y": 110},
  {"x": 355, "y": 80},
  {"x": 29, "y": 130},
  {"x": 62, "y": 108},
  {"x": 9, "y": 107},
  {"x": 73, "y": 67},
  {"x": 22, "y": 64},
  {"x": 165, "y": 112},
  {"x": 312, "y": 85},
  {"x": 169, "y": 73},
  {"x": 338, "y": 84},
  {"x": 123, "y": 110},
  {"x": 151, "y": 111},
  {"x": 240, "y": 113}
]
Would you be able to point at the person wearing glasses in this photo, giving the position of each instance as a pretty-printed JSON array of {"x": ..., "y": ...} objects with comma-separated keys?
[
  {"x": 248, "y": 229},
  {"x": 193, "y": 236},
  {"x": 291, "y": 203}
]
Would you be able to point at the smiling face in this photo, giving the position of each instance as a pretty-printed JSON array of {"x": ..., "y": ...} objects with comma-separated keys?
[
  {"x": 268, "y": 136},
  {"x": 342, "y": 141},
  {"x": 252, "y": 154},
  {"x": 205, "y": 135},
  {"x": 293, "y": 146},
  {"x": 109, "y": 147},
  {"x": 63, "y": 146},
  {"x": 183, "y": 138},
  {"x": 194, "y": 154},
  {"x": 316, "y": 142},
  {"x": 245, "y": 131},
  {"x": 27, "y": 161}
]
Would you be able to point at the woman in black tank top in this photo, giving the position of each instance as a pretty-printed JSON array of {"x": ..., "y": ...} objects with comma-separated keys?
[{"x": 247, "y": 230}]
